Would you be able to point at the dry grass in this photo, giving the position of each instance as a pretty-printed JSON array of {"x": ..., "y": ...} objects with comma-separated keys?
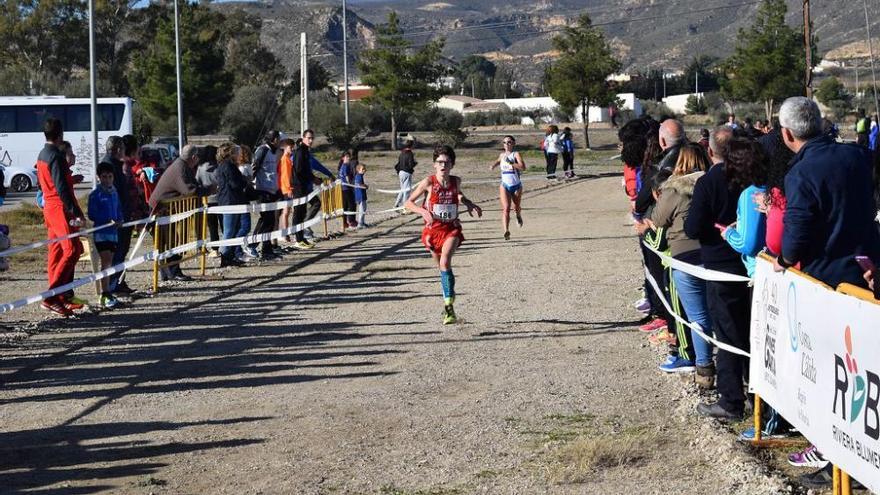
[
  {"x": 579, "y": 460},
  {"x": 26, "y": 226}
]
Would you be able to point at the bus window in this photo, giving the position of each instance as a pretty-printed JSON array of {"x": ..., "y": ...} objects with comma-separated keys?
[
  {"x": 110, "y": 117},
  {"x": 79, "y": 118},
  {"x": 31, "y": 118},
  {"x": 7, "y": 119}
]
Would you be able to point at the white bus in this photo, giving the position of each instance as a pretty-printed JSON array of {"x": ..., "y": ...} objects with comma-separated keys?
[{"x": 21, "y": 127}]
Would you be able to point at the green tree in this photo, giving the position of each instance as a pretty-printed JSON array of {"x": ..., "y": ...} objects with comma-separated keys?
[
  {"x": 207, "y": 86},
  {"x": 695, "y": 105},
  {"x": 475, "y": 74},
  {"x": 245, "y": 117},
  {"x": 42, "y": 42},
  {"x": 768, "y": 62},
  {"x": 831, "y": 90},
  {"x": 319, "y": 77},
  {"x": 401, "y": 78},
  {"x": 579, "y": 77}
]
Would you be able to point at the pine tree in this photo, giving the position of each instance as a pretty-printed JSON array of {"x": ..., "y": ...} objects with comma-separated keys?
[
  {"x": 768, "y": 63},
  {"x": 402, "y": 79},
  {"x": 578, "y": 79}
]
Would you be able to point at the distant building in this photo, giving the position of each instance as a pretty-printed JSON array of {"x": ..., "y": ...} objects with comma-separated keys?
[
  {"x": 677, "y": 103},
  {"x": 358, "y": 92},
  {"x": 466, "y": 105}
]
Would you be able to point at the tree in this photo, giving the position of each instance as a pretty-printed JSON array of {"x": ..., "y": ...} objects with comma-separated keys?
[
  {"x": 319, "y": 77},
  {"x": 831, "y": 91},
  {"x": 207, "y": 86},
  {"x": 245, "y": 117},
  {"x": 768, "y": 62},
  {"x": 475, "y": 74},
  {"x": 579, "y": 77},
  {"x": 402, "y": 79},
  {"x": 695, "y": 105}
]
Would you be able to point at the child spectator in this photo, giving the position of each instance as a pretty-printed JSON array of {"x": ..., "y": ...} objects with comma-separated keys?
[
  {"x": 360, "y": 195},
  {"x": 346, "y": 174},
  {"x": 104, "y": 208}
]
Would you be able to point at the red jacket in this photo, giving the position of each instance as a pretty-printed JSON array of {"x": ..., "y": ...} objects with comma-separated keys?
[{"x": 56, "y": 181}]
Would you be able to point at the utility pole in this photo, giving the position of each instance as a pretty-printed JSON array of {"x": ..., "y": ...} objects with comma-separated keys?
[
  {"x": 808, "y": 50},
  {"x": 697, "y": 83},
  {"x": 180, "y": 138},
  {"x": 345, "y": 59},
  {"x": 871, "y": 52},
  {"x": 93, "y": 94},
  {"x": 664, "y": 84},
  {"x": 303, "y": 85}
]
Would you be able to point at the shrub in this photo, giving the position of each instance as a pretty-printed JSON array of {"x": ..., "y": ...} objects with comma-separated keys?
[
  {"x": 695, "y": 105},
  {"x": 453, "y": 137},
  {"x": 248, "y": 114}
]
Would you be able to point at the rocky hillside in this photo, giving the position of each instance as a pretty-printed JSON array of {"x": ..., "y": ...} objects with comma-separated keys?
[{"x": 516, "y": 33}]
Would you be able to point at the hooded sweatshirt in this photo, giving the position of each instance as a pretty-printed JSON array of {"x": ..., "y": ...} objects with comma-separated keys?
[{"x": 671, "y": 212}]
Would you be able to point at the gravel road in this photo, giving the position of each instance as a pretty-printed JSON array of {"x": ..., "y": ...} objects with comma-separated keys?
[{"x": 329, "y": 372}]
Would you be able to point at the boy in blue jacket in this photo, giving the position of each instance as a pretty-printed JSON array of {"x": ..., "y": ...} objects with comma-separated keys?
[{"x": 104, "y": 208}]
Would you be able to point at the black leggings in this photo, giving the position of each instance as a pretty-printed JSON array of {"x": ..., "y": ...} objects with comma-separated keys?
[{"x": 552, "y": 158}]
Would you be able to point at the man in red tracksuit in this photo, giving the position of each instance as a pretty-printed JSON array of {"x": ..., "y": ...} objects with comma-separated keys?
[{"x": 63, "y": 216}]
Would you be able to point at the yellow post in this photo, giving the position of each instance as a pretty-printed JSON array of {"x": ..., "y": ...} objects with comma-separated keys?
[
  {"x": 204, "y": 235},
  {"x": 324, "y": 204},
  {"x": 835, "y": 480},
  {"x": 845, "y": 484},
  {"x": 757, "y": 414},
  {"x": 339, "y": 197},
  {"x": 156, "y": 234}
]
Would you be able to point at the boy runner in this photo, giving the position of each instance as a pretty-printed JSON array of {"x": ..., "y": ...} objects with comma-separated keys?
[{"x": 440, "y": 195}]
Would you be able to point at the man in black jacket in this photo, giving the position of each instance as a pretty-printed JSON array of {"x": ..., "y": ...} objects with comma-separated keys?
[
  {"x": 300, "y": 179},
  {"x": 714, "y": 203}
]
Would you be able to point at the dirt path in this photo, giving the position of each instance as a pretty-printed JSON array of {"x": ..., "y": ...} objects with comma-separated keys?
[{"x": 330, "y": 373}]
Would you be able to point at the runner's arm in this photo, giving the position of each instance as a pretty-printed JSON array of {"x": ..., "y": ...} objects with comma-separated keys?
[
  {"x": 520, "y": 163},
  {"x": 420, "y": 191},
  {"x": 471, "y": 207}
]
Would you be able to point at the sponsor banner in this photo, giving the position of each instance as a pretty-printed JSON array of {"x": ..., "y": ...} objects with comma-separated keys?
[{"x": 816, "y": 360}]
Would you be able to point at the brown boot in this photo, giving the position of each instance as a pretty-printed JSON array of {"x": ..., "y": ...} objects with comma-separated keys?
[{"x": 705, "y": 377}]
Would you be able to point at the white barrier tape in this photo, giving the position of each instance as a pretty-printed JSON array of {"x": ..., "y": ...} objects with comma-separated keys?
[
  {"x": 693, "y": 326},
  {"x": 698, "y": 271},
  {"x": 39, "y": 244},
  {"x": 389, "y": 210},
  {"x": 179, "y": 216},
  {"x": 262, "y": 207},
  {"x": 269, "y": 236}
]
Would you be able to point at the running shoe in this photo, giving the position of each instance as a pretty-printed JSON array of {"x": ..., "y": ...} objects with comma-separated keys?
[
  {"x": 507, "y": 236},
  {"x": 677, "y": 365},
  {"x": 74, "y": 303},
  {"x": 303, "y": 245},
  {"x": 55, "y": 305},
  {"x": 123, "y": 289},
  {"x": 654, "y": 325},
  {"x": 809, "y": 457},
  {"x": 662, "y": 337},
  {"x": 449, "y": 315},
  {"x": 109, "y": 302},
  {"x": 643, "y": 305},
  {"x": 519, "y": 219},
  {"x": 749, "y": 436}
]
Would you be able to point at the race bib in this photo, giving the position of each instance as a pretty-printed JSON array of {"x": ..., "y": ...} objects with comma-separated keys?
[
  {"x": 445, "y": 213},
  {"x": 506, "y": 167}
]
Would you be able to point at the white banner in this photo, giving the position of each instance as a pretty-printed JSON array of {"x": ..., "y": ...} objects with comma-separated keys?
[{"x": 816, "y": 360}]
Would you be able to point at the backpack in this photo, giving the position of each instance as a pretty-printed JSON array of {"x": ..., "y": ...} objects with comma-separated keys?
[{"x": 862, "y": 125}]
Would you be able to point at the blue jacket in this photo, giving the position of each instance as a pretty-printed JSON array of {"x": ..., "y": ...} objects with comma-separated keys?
[
  {"x": 360, "y": 195},
  {"x": 872, "y": 137},
  {"x": 829, "y": 215},
  {"x": 749, "y": 235},
  {"x": 104, "y": 207}
]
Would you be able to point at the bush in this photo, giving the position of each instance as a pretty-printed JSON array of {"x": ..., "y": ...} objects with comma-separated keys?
[
  {"x": 695, "y": 105},
  {"x": 657, "y": 109},
  {"x": 501, "y": 117},
  {"x": 453, "y": 137},
  {"x": 246, "y": 117},
  {"x": 434, "y": 119}
]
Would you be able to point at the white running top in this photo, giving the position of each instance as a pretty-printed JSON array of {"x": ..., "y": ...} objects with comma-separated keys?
[{"x": 509, "y": 175}]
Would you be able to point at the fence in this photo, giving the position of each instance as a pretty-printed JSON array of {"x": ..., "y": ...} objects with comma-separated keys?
[
  {"x": 772, "y": 362},
  {"x": 183, "y": 232}
]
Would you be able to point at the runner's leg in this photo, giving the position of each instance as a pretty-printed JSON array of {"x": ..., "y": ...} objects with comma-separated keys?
[
  {"x": 504, "y": 197},
  {"x": 517, "y": 205}
]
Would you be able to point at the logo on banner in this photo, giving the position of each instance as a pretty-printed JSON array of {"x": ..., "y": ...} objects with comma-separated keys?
[{"x": 860, "y": 393}]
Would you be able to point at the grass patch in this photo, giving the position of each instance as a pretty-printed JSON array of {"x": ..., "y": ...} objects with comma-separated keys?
[
  {"x": 26, "y": 226},
  {"x": 578, "y": 461}
]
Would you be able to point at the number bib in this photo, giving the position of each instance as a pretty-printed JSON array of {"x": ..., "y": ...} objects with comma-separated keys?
[
  {"x": 506, "y": 167},
  {"x": 444, "y": 213}
]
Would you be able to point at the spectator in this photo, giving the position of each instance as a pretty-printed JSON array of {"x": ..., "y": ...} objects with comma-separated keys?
[
  {"x": 302, "y": 180},
  {"x": 178, "y": 180},
  {"x": 104, "y": 208},
  {"x": 233, "y": 189},
  {"x": 265, "y": 169},
  {"x": 62, "y": 215},
  {"x": 731, "y": 122},
  {"x": 137, "y": 209},
  {"x": 285, "y": 180},
  {"x": 862, "y": 127},
  {"x": 568, "y": 152},
  {"x": 206, "y": 176},
  {"x": 346, "y": 173},
  {"x": 246, "y": 162},
  {"x": 114, "y": 153},
  {"x": 405, "y": 167},
  {"x": 873, "y": 134},
  {"x": 552, "y": 148},
  {"x": 670, "y": 213},
  {"x": 360, "y": 195},
  {"x": 772, "y": 203},
  {"x": 729, "y": 303},
  {"x": 830, "y": 208},
  {"x": 704, "y": 138},
  {"x": 745, "y": 170}
]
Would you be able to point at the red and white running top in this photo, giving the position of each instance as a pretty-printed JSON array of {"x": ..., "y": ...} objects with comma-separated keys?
[{"x": 443, "y": 201}]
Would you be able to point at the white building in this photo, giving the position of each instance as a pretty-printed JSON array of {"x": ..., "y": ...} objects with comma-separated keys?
[
  {"x": 677, "y": 103},
  {"x": 596, "y": 114}
]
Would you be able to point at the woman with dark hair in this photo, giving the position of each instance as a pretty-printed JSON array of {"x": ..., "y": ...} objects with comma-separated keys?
[
  {"x": 233, "y": 189},
  {"x": 206, "y": 176},
  {"x": 552, "y": 149},
  {"x": 745, "y": 169},
  {"x": 632, "y": 150},
  {"x": 772, "y": 202}
]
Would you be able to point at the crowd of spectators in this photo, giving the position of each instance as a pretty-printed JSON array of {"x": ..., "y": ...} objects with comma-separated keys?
[
  {"x": 134, "y": 184},
  {"x": 791, "y": 189}
]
